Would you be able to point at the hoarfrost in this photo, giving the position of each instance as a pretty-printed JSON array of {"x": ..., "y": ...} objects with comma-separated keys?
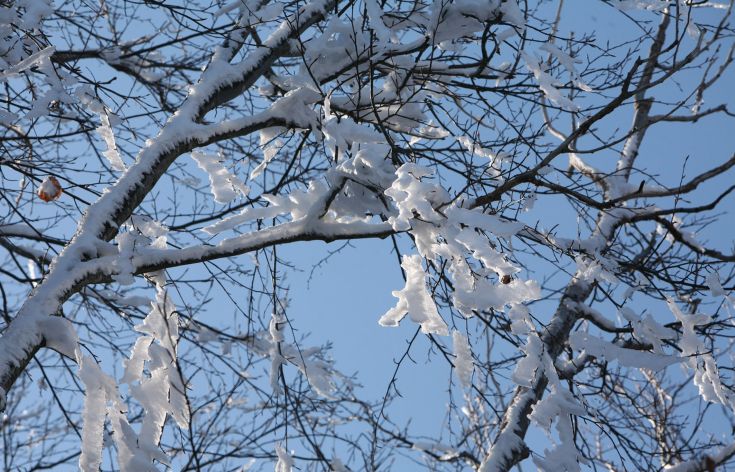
[
  {"x": 463, "y": 363},
  {"x": 600, "y": 348},
  {"x": 224, "y": 185},
  {"x": 415, "y": 300},
  {"x": 285, "y": 461}
]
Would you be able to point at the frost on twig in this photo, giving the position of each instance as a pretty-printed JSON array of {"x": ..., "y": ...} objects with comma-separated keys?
[
  {"x": 224, "y": 185},
  {"x": 154, "y": 382},
  {"x": 108, "y": 120},
  {"x": 414, "y": 300}
]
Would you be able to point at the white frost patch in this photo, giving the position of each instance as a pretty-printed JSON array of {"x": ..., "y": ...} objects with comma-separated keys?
[
  {"x": 224, "y": 186},
  {"x": 27, "y": 63},
  {"x": 648, "y": 330},
  {"x": 567, "y": 62},
  {"x": 415, "y": 300},
  {"x": 706, "y": 374},
  {"x": 93, "y": 415},
  {"x": 87, "y": 97},
  {"x": 653, "y": 5},
  {"x": 602, "y": 349},
  {"x": 463, "y": 364},
  {"x": 528, "y": 368},
  {"x": 285, "y": 461},
  {"x": 547, "y": 83},
  {"x": 336, "y": 465},
  {"x": 270, "y": 146},
  {"x": 299, "y": 204},
  {"x": 590, "y": 270},
  {"x": 60, "y": 335},
  {"x": 310, "y": 361},
  {"x": 714, "y": 285},
  {"x": 412, "y": 196},
  {"x": 275, "y": 328},
  {"x": 512, "y": 13}
]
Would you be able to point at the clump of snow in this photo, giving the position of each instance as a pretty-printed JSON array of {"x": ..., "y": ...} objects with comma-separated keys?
[
  {"x": 548, "y": 84},
  {"x": 311, "y": 362},
  {"x": 224, "y": 185},
  {"x": 25, "y": 64},
  {"x": 591, "y": 270},
  {"x": 93, "y": 415},
  {"x": 648, "y": 330},
  {"x": 567, "y": 62},
  {"x": 653, "y": 5},
  {"x": 285, "y": 462},
  {"x": 270, "y": 144},
  {"x": 411, "y": 195},
  {"x": 87, "y": 97},
  {"x": 530, "y": 366},
  {"x": 414, "y": 299},
  {"x": 715, "y": 287},
  {"x": 602, "y": 349},
  {"x": 463, "y": 363},
  {"x": 699, "y": 359},
  {"x": 60, "y": 335}
]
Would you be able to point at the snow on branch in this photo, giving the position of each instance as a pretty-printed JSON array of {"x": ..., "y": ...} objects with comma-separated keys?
[
  {"x": 154, "y": 381},
  {"x": 415, "y": 301},
  {"x": 224, "y": 186}
]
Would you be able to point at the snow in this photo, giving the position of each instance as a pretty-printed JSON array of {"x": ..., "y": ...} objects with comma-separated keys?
[
  {"x": 60, "y": 335},
  {"x": 224, "y": 186},
  {"x": 411, "y": 195},
  {"x": 299, "y": 203},
  {"x": 87, "y": 97},
  {"x": 602, "y": 349},
  {"x": 699, "y": 358},
  {"x": 415, "y": 300},
  {"x": 567, "y": 62},
  {"x": 134, "y": 365},
  {"x": 124, "y": 268},
  {"x": 33, "y": 323},
  {"x": 27, "y": 63},
  {"x": 206, "y": 335},
  {"x": 19, "y": 229},
  {"x": 462, "y": 18},
  {"x": 310, "y": 361},
  {"x": 512, "y": 13},
  {"x": 463, "y": 363},
  {"x": 445, "y": 232},
  {"x": 111, "y": 153},
  {"x": 718, "y": 456},
  {"x": 689, "y": 343},
  {"x": 503, "y": 448},
  {"x": 530, "y": 366},
  {"x": 548, "y": 84},
  {"x": 160, "y": 392},
  {"x": 275, "y": 329},
  {"x": 102, "y": 400},
  {"x": 270, "y": 145},
  {"x": 648, "y": 330},
  {"x": 653, "y": 5},
  {"x": 591, "y": 270},
  {"x": 375, "y": 15},
  {"x": 336, "y": 465},
  {"x": 285, "y": 462},
  {"x": 93, "y": 415},
  {"x": 715, "y": 287},
  {"x": 557, "y": 403}
]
